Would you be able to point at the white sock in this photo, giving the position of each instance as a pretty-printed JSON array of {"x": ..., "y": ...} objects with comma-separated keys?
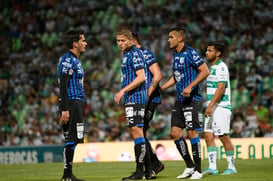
[
  {"x": 230, "y": 160},
  {"x": 212, "y": 160}
]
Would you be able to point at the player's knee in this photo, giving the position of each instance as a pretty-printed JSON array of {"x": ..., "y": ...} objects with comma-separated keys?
[
  {"x": 208, "y": 137},
  {"x": 224, "y": 137},
  {"x": 70, "y": 145},
  {"x": 175, "y": 134}
]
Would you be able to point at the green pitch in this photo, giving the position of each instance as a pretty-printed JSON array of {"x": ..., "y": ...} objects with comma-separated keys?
[{"x": 248, "y": 170}]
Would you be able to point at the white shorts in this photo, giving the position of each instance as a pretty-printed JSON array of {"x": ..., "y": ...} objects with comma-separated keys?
[{"x": 219, "y": 122}]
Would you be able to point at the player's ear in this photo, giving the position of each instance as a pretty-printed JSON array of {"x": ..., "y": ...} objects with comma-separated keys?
[
  {"x": 75, "y": 44},
  {"x": 218, "y": 54}
]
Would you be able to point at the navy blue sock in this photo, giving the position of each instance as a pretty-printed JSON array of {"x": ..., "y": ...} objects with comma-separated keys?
[
  {"x": 140, "y": 152},
  {"x": 68, "y": 154},
  {"x": 196, "y": 153},
  {"x": 182, "y": 147}
]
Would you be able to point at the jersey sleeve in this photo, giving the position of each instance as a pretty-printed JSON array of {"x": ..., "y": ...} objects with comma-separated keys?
[
  {"x": 222, "y": 73},
  {"x": 194, "y": 58},
  {"x": 66, "y": 66},
  {"x": 137, "y": 60},
  {"x": 149, "y": 57}
]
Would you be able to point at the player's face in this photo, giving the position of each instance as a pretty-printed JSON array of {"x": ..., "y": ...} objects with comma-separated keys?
[
  {"x": 210, "y": 54},
  {"x": 123, "y": 42},
  {"x": 174, "y": 39},
  {"x": 81, "y": 44}
]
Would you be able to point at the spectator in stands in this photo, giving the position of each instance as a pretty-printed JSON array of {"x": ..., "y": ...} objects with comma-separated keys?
[{"x": 27, "y": 41}]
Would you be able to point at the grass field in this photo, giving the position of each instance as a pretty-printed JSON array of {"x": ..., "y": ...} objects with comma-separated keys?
[{"x": 248, "y": 170}]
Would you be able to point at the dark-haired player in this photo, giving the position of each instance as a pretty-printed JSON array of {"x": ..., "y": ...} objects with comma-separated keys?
[
  {"x": 71, "y": 103},
  {"x": 189, "y": 70},
  {"x": 218, "y": 111}
]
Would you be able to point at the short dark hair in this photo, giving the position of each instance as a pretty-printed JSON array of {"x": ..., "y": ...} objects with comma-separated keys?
[
  {"x": 181, "y": 29},
  {"x": 136, "y": 35},
  {"x": 72, "y": 36},
  {"x": 218, "y": 45},
  {"x": 178, "y": 28}
]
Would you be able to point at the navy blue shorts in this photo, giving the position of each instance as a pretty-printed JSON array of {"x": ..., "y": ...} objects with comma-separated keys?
[
  {"x": 187, "y": 115},
  {"x": 74, "y": 129},
  {"x": 134, "y": 114}
]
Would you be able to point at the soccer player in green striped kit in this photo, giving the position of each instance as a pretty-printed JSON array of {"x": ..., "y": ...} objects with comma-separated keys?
[{"x": 218, "y": 111}]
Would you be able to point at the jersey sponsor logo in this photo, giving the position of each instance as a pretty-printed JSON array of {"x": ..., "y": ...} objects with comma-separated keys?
[
  {"x": 80, "y": 129},
  {"x": 64, "y": 70},
  {"x": 130, "y": 121},
  {"x": 141, "y": 112},
  {"x": 129, "y": 112},
  {"x": 188, "y": 119},
  {"x": 79, "y": 69},
  {"x": 178, "y": 76}
]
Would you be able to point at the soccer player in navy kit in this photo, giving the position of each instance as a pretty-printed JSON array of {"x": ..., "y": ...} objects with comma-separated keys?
[
  {"x": 134, "y": 92},
  {"x": 154, "y": 95},
  {"x": 189, "y": 70},
  {"x": 71, "y": 103}
]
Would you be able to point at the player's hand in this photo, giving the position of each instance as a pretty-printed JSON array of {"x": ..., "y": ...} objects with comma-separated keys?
[
  {"x": 65, "y": 117},
  {"x": 118, "y": 96},
  {"x": 208, "y": 111},
  {"x": 187, "y": 92}
]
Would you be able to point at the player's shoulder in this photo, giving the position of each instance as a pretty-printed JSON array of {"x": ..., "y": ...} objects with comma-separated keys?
[
  {"x": 221, "y": 63},
  {"x": 67, "y": 56},
  {"x": 222, "y": 66}
]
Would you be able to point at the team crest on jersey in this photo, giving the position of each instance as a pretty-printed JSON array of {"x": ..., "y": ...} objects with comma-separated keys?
[
  {"x": 124, "y": 60},
  {"x": 146, "y": 56},
  {"x": 135, "y": 59},
  {"x": 182, "y": 59}
]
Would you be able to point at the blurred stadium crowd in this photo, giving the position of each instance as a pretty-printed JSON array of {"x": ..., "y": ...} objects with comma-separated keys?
[{"x": 31, "y": 43}]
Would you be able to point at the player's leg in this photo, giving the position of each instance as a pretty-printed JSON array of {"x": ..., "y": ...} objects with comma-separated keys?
[
  {"x": 221, "y": 128},
  {"x": 135, "y": 124},
  {"x": 211, "y": 147},
  {"x": 229, "y": 150},
  {"x": 73, "y": 132},
  {"x": 177, "y": 125},
  {"x": 193, "y": 122},
  {"x": 151, "y": 159}
]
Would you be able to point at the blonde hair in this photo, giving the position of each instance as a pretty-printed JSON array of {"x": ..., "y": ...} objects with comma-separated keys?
[{"x": 125, "y": 30}]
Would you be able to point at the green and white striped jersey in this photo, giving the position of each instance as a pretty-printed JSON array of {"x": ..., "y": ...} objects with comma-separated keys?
[{"x": 219, "y": 73}]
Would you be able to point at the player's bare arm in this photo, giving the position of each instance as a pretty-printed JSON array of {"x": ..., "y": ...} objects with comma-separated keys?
[
  {"x": 155, "y": 70},
  {"x": 203, "y": 73},
  {"x": 168, "y": 84},
  {"x": 140, "y": 78},
  {"x": 217, "y": 96}
]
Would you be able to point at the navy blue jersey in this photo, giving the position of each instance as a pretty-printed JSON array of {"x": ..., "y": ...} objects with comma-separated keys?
[
  {"x": 70, "y": 65},
  {"x": 132, "y": 61},
  {"x": 185, "y": 69},
  {"x": 150, "y": 60}
]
